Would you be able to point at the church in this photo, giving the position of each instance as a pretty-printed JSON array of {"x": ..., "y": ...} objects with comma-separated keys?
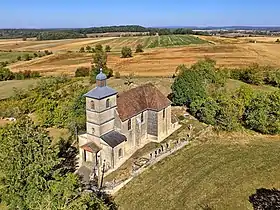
[{"x": 117, "y": 125}]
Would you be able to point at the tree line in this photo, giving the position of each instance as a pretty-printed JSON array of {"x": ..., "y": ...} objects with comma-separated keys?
[
  {"x": 202, "y": 89},
  {"x": 48, "y": 34}
]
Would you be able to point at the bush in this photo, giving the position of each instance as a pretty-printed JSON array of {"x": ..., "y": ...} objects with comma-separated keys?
[
  {"x": 139, "y": 48},
  {"x": 107, "y": 48},
  {"x": 82, "y": 72},
  {"x": 19, "y": 58},
  {"x": 126, "y": 52},
  {"x": 6, "y": 74},
  {"x": 82, "y": 50},
  {"x": 27, "y": 57},
  {"x": 88, "y": 48},
  {"x": 117, "y": 75},
  {"x": 98, "y": 47}
]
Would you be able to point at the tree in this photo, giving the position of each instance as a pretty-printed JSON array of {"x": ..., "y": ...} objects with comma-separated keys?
[
  {"x": 278, "y": 40},
  {"x": 82, "y": 72},
  {"x": 262, "y": 114},
  {"x": 99, "y": 62},
  {"x": 265, "y": 199},
  {"x": 98, "y": 47},
  {"x": 88, "y": 48},
  {"x": 187, "y": 87},
  {"x": 139, "y": 48},
  {"x": 19, "y": 58},
  {"x": 107, "y": 48},
  {"x": 82, "y": 50},
  {"x": 126, "y": 52},
  {"x": 30, "y": 173}
]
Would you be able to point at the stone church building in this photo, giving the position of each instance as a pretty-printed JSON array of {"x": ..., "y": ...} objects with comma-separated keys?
[{"x": 117, "y": 125}]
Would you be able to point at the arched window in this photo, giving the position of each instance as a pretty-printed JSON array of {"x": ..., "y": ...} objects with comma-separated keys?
[
  {"x": 142, "y": 117},
  {"x": 163, "y": 113},
  {"x": 108, "y": 103},
  {"x": 129, "y": 124},
  {"x": 92, "y": 104},
  {"x": 120, "y": 153}
]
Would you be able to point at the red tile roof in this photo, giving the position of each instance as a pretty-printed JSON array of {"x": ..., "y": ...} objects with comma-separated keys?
[{"x": 136, "y": 100}]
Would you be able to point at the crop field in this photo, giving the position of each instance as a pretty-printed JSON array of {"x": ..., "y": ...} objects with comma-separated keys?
[
  {"x": 51, "y": 45},
  {"x": 162, "y": 54},
  {"x": 218, "y": 171},
  {"x": 152, "y": 41},
  {"x": 160, "y": 61}
]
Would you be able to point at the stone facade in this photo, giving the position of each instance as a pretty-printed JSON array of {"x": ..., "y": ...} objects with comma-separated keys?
[{"x": 118, "y": 126}]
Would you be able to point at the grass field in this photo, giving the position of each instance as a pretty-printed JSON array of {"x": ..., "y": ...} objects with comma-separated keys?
[
  {"x": 11, "y": 56},
  {"x": 220, "y": 171},
  {"x": 7, "y": 87}
]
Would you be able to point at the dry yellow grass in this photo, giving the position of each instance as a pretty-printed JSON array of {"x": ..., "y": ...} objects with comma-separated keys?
[
  {"x": 161, "y": 61},
  {"x": 228, "y": 52},
  {"x": 51, "y": 45}
]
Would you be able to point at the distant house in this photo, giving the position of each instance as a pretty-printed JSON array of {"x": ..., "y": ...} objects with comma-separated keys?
[{"x": 119, "y": 124}]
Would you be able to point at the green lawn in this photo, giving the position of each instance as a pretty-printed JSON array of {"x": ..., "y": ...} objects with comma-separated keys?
[
  {"x": 220, "y": 172},
  {"x": 235, "y": 84}
]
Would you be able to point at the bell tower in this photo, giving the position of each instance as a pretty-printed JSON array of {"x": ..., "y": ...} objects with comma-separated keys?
[{"x": 101, "y": 103}]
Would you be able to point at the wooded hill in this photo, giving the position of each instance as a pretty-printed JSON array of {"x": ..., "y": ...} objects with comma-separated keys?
[{"x": 72, "y": 33}]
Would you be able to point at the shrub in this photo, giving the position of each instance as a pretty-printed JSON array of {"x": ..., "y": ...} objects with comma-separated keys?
[
  {"x": 117, "y": 75},
  {"x": 126, "y": 52},
  {"x": 82, "y": 50},
  {"x": 82, "y": 72},
  {"x": 139, "y": 48},
  {"x": 6, "y": 74},
  {"x": 88, "y": 48},
  {"x": 27, "y": 57},
  {"x": 107, "y": 48},
  {"x": 19, "y": 58},
  {"x": 98, "y": 47}
]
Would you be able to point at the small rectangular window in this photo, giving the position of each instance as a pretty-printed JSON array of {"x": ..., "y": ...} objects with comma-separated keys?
[
  {"x": 163, "y": 113},
  {"x": 142, "y": 117},
  {"x": 129, "y": 124}
]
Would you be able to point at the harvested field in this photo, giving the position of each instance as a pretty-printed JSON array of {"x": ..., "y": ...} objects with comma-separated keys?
[
  {"x": 51, "y": 45},
  {"x": 160, "y": 61}
]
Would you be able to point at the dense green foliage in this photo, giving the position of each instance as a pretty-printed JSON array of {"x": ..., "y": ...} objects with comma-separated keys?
[
  {"x": 6, "y": 74},
  {"x": 55, "y": 102},
  {"x": 47, "y": 34},
  {"x": 126, "y": 52},
  {"x": 31, "y": 173},
  {"x": 82, "y": 72},
  {"x": 55, "y": 35},
  {"x": 201, "y": 88},
  {"x": 257, "y": 75}
]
